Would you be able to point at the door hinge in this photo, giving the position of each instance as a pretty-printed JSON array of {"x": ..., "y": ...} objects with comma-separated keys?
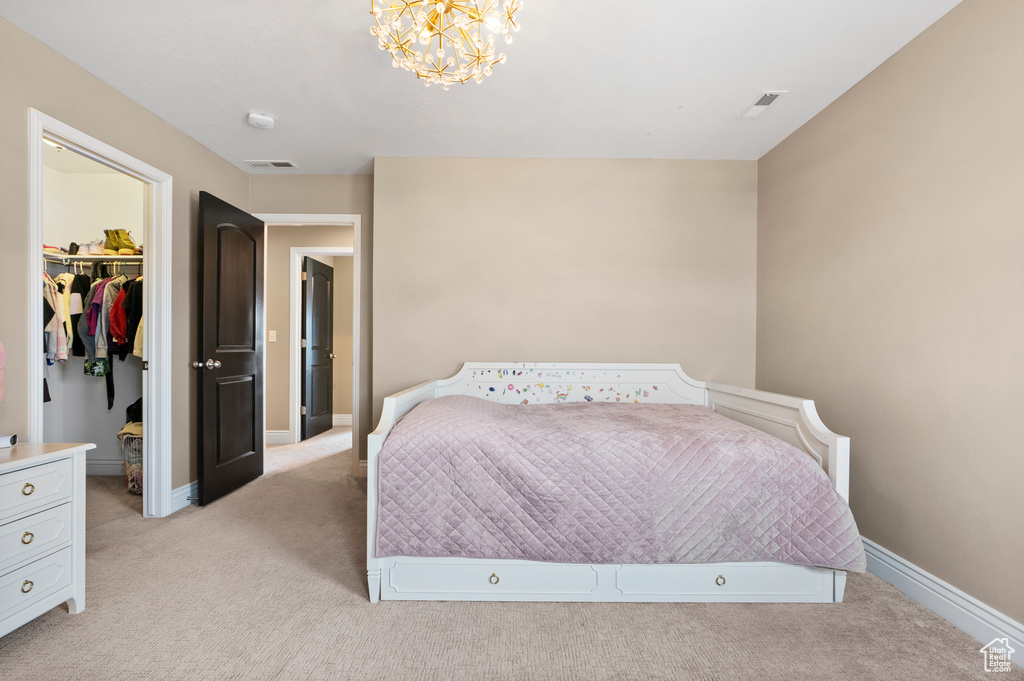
[
  {"x": 302, "y": 410},
  {"x": 303, "y": 276},
  {"x": 303, "y": 342},
  {"x": 145, "y": 365}
]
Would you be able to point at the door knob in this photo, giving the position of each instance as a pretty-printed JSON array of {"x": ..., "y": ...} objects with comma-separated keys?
[
  {"x": 210, "y": 364},
  {"x": 333, "y": 356}
]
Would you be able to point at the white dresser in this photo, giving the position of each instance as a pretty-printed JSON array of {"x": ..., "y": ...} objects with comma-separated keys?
[{"x": 42, "y": 530}]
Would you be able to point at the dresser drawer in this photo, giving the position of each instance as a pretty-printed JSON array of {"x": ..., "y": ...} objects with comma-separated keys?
[
  {"x": 34, "y": 535},
  {"x": 34, "y": 582},
  {"x": 485, "y": 580},
  {"x": 30, "y": 488},
  {"x": 724, "y": 581}
]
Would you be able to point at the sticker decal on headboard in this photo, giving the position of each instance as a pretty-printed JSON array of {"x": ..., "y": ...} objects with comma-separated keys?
[{"x": 547, "y": 386}]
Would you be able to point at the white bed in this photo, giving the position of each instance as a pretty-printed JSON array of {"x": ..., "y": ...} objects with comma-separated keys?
[{"x": 790, "y": 419}]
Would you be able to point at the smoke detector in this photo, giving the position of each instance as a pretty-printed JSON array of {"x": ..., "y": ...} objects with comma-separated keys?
[
  {"x": 760, "y": 105},
  {"x": 261, "y": 121}
]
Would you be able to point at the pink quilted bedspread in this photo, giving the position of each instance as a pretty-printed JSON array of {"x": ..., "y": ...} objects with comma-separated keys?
[{"x": 604, "y": 483}]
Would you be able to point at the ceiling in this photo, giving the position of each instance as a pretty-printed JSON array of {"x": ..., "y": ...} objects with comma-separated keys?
[
  {"x": 69, "y": 162},
  {"x": 584, "y": 78}
]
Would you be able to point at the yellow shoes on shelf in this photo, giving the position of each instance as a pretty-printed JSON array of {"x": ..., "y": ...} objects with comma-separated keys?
[{"x": 119, "y": 242}]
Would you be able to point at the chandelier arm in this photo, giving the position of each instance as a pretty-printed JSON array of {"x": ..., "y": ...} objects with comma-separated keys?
[{"x": 458, "y": 62}]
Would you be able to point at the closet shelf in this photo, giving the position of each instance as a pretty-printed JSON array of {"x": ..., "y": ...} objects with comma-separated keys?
[{"x": 67, "y": 259}]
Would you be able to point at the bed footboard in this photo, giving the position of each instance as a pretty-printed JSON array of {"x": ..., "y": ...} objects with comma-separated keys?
[{"x": 790, "y": 419}]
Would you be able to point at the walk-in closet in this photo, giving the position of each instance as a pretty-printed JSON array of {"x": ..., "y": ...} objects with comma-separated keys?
[{"x": 92, "y": 302}]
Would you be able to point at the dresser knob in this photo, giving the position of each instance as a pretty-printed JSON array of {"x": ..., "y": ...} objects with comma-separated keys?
[
  {"x": 27, "y": 538},
  {"x": 493, "y": 578},
  {"x": 720, "y": 580},
  {"x": 28, "y": 488},
  {"x": 26, "y": 586}
]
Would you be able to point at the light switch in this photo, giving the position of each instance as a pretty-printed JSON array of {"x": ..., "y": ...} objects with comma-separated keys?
[{"x": 272, "y": 336}]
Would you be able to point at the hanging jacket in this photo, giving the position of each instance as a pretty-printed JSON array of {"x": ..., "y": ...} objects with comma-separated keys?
[
  {"x": 133, "y": 306},
  {"x": 55, "y": 334},
  {"x": 79, "y": 292},
  {"x": 88, "y": 339},
  {"x": 137, "y": 348},
  {"x": 93, "y": 313},
  {"x": 110, "y": 292},
  {"x": 118, "y": 317},
  {"x": 64, "y": 281}
]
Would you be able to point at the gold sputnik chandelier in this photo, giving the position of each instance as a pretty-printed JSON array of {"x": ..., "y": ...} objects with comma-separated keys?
[{"x": 457, "y": 36}]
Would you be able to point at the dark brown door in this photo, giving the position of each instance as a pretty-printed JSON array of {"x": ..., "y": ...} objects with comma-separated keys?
[
  {"x": 230, "y": 368},
  {"x": 317, "y": 347}
]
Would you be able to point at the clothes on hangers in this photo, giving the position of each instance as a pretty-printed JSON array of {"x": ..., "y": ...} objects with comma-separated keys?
[
  {"x": 110, "y": 291},
  {"x": 99, "y": 317},
  {"x": 88, "y": 338},
  {"x": 54, "y": 331}
]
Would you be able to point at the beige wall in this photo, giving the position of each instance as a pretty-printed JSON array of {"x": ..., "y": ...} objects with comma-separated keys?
[
  {"x": 79, "y": 206},
  {"x": 562, "y": 260},
  {"x": 33, "y": 75},
  {"x": 280, "y": 240},
  {"x": 343, "y": 304},
  {"x": 352, "y": 194},
  {"x": 891, "y": 290}
]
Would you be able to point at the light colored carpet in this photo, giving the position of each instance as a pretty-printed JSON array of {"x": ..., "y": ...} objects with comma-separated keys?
[{"x": 268, "y": 583}]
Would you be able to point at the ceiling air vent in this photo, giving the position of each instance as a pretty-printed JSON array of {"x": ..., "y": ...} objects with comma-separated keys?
[
  {"x": 764, "y": 100},
  {"x": 271, "y": 164}
]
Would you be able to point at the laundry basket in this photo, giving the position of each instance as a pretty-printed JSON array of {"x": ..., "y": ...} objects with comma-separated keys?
[{"x": 131, "y": 447}]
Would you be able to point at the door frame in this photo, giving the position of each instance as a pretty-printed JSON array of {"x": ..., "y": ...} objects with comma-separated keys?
[
  {"x": 156, "y": 263},
  {"x": 295, "y": 255},
  {"x": 296, "y": 310}
]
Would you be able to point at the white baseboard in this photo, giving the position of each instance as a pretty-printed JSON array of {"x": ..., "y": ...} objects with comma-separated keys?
[
  {"x": 343, "y": 419},
  {"x": 179, "y": 496},
  {"x": 104, "y": 467},
  {"x": 279, "y": 437},
  {"x": 964, "y": 612}
]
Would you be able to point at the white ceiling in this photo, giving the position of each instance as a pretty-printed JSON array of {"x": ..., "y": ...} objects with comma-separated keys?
[
  {"x": 69, "y": 162},
  {"x": 584, "y": 78}
]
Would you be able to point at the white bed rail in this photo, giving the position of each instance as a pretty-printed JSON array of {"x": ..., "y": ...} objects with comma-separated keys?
[{"x": 790, "y": 419}]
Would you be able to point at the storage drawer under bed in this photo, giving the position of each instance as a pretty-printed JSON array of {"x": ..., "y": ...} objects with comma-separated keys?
[
  {"x": 490, "y": 580},
  {"x": 729, "y": 581},
  {"x": 409, "y": 578}
]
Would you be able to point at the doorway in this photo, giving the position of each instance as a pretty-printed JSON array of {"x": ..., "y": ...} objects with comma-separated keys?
[
  {"x": 288, "y": 430},
  {"x": 47, "y": 132}
]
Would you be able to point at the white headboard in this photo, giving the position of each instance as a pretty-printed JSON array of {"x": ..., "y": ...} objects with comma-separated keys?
[{"x": 540, "y": 383}]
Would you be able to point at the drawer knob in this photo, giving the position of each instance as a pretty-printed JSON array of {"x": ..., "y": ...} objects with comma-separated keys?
[
  {"x": 27, "y": 538},
  {"x": 26, "y": 586},
  {"x": 493, "y": 578},
  {"x": 720, "y": 580},
  {"x": 28, "y": 488}
]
